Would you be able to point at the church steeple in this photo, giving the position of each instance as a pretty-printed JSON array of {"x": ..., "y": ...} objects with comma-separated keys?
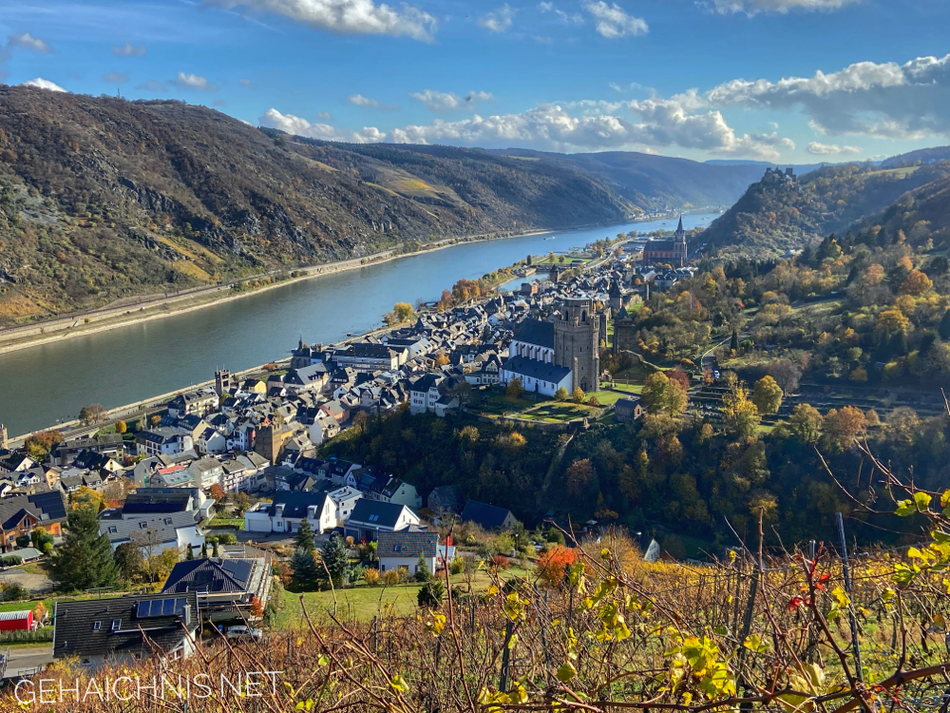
[{"x": 679, "y": 228}]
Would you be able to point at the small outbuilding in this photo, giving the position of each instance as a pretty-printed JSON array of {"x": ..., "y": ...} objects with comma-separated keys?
[{"x": 16, "y": 620}]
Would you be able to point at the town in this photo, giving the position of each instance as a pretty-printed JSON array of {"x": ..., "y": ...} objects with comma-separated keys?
[{"x": 196, "y": 498}]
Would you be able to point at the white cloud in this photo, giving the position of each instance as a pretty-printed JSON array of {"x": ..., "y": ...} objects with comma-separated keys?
[
  {"x": 184, "y": 80},
  {"x": 366, "y": 102},
  {"x": 831, "y": 149},
  {"x": 612, "y": 22},
  {"x": 301, "y": 127},
  {"x": 448, "y": 101},
  {"x": 888, "y": 100},
  {"x": 115, "y": 77},
  {"x": 324, "y": 116},
  {"x": 498, "y": 20},
  {"x": 246, "y": 83},
  {"x": 129, "y": 50},
  {"x": 568, "y": 18},
  {"x": 752, "y": 7},
  {"x": 345, "y": 16},
  {"x": 27, "y": 41},
  {"x": 44, "y": 84}
]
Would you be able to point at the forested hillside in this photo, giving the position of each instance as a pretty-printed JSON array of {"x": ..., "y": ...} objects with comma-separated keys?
[
  {"x": 102, "y": 198},
  {"x": 777, "y": 214}
]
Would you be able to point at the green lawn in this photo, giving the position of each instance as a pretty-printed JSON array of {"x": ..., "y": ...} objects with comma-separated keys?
[
  {"x": 498, "y": 404},
  {"x": 554, "y": 412},
  {"x": 363, "y": 602},
  {"x": 606, "y": 398},
  {"x": 224, "y": 522},
  {"x": 629, "y": 388}
]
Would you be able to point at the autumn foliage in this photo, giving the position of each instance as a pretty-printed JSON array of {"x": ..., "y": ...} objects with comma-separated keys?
[{"x": 553, "y": 564}]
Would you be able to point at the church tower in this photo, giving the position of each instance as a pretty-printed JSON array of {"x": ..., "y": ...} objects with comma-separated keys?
[
  {"x": 577, "y": 342},
  {"x": 679, "y": 245}
]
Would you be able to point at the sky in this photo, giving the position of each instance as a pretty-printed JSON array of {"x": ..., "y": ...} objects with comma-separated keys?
[{"x": 793, "y": 81}]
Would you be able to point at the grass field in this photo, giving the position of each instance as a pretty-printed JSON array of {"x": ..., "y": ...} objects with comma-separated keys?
[
  {"x": 362, "y": 602},
  {"x": 237, "y": 522}
]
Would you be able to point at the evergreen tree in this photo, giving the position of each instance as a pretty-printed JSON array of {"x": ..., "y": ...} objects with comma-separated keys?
[
  {"x": 734, "y": 342},
  {"x": 85, "y": 559},
  {"x": 305, "y": 535},
  {"x": 423, "y": 573},
  {"x": 431, "y": 594},
  {"x": 204, "y": 549},
  {"x": 214, "y": 547},
  {"x": 189, "y": 553},
  {"x": 336, "y": 559},
  {"x": 306, "y": 573}
]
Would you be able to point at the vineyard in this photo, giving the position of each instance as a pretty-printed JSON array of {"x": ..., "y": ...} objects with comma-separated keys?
[{"x": 605, "y": 631}]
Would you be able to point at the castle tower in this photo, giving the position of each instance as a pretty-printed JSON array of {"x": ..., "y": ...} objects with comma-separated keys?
[
  {"x": 223, "y": 382},
  {"x": 615, "y": 297},
  {"x": 577, "y": 341},
  {"x": 4, "y": 437}
]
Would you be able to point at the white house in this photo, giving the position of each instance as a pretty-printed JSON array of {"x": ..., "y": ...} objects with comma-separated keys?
[
  {"x": 289, "y": 509},
  {"x": 370, "y": 518},
  {"x": 424, "y": 393},
  {"x": 406, "y": 548},
  {"x": 344, "y": 499},
  {"x": 163, "y": 441},
  {"x": 536, "y": 376},
  {"x": 211, "y": 441},
  {"x": 153, "y": 535}
]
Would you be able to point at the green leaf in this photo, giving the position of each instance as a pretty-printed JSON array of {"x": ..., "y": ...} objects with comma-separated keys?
[
  {"x": 399, "y": 683},
  {"x": 566, "y": 672},
  {"x": 923, "y": 501}
]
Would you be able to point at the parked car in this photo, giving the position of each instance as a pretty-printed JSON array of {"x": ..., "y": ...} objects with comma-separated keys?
[{"x": 244, "y": 632}]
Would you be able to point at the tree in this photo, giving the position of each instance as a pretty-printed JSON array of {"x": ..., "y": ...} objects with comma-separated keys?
[
  {"x": 189, "y": 553},
  {"x": 916, "y": 284},
  {"x": 39, "y": 537},
  {"x": 767, "y": 395},
  {"x": 842, "y": 426},
  {"x": 577, "y": 395},
  {"x": 423, "y": 573},
  {"x": 662, "y": 395},
  {"x": 305, "y": 572},
  {"x": 305, "y": 535},
  {"x": 680, "y": 377},
  {"x": 403, "y": 311},
  {"x": 734, "y": 341},
  {"x": 121, "y": 427},
  {"x": 87, "y": 497},
  {"x": 578, "y": 478},
  {"x": 740, "y": 413},
  {"x": 257, "y": 607},
  {"x": 561, "y": 394},
  {"x": 944, "y": 328},
  {"x": 92, "y": 414},
  {"x": 155, "y": 420},
  {"x": 39, "y": 445},
  {"x": 336, "y": 561},
  {"x": 22, "y": 541},
  {"x": 85, "y": 559},
  {"x": 786, "y": 374},
  {"x": 553, "y": 564},
  {"x": 806, "y": 423},
  {"x": 431, "y": 594},
  {"x": 514, "y": 389},
  {"x": 216, "y": 492},
  {"x": 441, "y": 359}
]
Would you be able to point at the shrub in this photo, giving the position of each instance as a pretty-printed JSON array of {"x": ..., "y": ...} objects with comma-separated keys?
[
  {"x": 457, "y": 565},
  {"x": 431, "y": 594},
  {"x": 500, "y": 562},
  {"x": 14, "y": 592},
  {"x": 11, "y": 561},
  {"x": 552, "y": 565},
  {"x": 423, "y": 574},
  {"x": 390, "y": 577},
  {"x": 227, "y": 538},
  {"x": 23, "y": 541},
  {"x": 371, "y": 577}
]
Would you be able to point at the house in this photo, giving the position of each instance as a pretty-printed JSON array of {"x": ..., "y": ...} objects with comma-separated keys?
[
  {"x": 488, "y": 517},
  {"x": 626, "y": 410},
  {"x": 370, "y": 518},
  {"x": 153, "y": 535},
  {"x": 126, "y": 629},
  {"x": 445, "y": 499},
  {"x": 20, "y": 514},
  {"x": 446, "y": 404},
  {"x": 289, "y": 509},
  {"x": 535, "y": 375},
  {"x": 308, "y": 378},
  {"x": 369, "y": 357},
  {"x": 336, "y": 410},
  {"x": 194, "y": 403},
  {"x": 385, "y": 488},
  {"x": 344, "y": 500},
  {"x": 164, "y": 440},
  {"x": 407, "y": 547},
  {"x": 206, "y": 472},
  {"x": 226, "y": 588},
  {"x": 211, "y": 440},
  {"x": 487, "y": 374},
  {"x": 14, "y": 461},
  {"x": 147, "y": 502},
  {"x": 424, "y": 393}
]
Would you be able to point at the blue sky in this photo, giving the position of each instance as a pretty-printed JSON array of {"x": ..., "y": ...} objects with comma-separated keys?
[{"x": 781, "y": 80}]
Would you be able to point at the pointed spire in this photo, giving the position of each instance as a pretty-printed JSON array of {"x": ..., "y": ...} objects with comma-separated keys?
[{"x": 679, "y": 228}]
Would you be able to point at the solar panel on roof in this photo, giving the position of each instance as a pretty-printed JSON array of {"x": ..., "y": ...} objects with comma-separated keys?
[{"x": 161, "y": 607}]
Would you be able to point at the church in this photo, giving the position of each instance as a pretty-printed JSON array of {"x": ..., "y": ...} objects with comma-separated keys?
[
  {"x": 547, "y": 356},
  {"x": 672, "y": 251}
]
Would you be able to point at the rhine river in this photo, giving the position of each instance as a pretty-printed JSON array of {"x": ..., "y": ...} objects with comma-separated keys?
[{"x": 46, "y": 384}]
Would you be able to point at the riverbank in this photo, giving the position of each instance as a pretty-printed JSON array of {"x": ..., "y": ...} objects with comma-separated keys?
[{"x": 107, "y": 318}]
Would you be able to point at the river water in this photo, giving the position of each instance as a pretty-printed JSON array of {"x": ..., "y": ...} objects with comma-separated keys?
[{"x": 46, "y": 384}]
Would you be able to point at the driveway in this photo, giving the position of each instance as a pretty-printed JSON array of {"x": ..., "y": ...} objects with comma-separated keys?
[
  {"x": 26, "y": 660},
  {"x": 35, "y": 583}
]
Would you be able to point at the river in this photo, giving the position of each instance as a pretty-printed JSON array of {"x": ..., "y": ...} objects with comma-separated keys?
[{"x": 49, "y": 383}]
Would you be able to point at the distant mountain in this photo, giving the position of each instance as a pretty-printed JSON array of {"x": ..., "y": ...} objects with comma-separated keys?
[
  {"x": 931, "y": 155},
  {"x": 737, "y": 162},
  {"x": 102, "y": 198},
  {"x": 657, "y": 181},
  {"x": 779, "y": 213}
]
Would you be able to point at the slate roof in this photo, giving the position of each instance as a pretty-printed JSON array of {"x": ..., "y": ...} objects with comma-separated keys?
[
  {"x": 296, "y": 504},
  {"x": 406, "y": 543},
  {"x": 45, "y": 507},
  {"x": 374, "y": 512},
  {"x": 423, "y": 384},
  {"x": 535, "y": 331},
  {"x": 488, "y": 516},
  {"x": 209, "y": 575},
  {"x": 536, "y": 369},
  {"x": 76, "y": 633},
  {"x": 161, "y": 528},
  {"x": 139, "y": 503}
]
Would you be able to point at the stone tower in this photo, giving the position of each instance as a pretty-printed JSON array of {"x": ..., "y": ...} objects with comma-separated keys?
[
  {"x": 4, "y": 438},
  {"x": 615, "y": 297},
  {"x": 223, "y": 383},
  {"x": 577, "y": 341}
]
